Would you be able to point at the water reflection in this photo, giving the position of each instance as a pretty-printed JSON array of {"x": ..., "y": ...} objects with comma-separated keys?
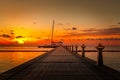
[{"x": 9, "y": 60}]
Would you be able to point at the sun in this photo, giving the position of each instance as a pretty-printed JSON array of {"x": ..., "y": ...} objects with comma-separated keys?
[{"x": 20, "y": 41}]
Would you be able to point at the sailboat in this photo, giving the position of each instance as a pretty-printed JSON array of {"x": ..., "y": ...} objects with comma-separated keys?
[{"x": 52, "y": 43}]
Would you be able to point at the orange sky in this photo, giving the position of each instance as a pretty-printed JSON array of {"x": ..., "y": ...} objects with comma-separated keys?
[{"x": 75, "y": 21}]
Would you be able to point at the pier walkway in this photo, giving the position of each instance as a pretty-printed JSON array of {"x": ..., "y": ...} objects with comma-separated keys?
[{"x": 58, "y": 64}]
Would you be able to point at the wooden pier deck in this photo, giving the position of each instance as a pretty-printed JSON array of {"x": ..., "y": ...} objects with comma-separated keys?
[{"x": 59, "y": 64}]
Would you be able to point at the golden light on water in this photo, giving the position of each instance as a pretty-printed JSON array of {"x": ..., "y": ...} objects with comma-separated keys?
[{"x": 15, "y": 58}]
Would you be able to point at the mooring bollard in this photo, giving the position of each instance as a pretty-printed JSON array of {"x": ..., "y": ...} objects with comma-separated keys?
[
  {"x": 83, "y": 50},
  {"x": 100, "y": 48},
  {"x": 76, "y": 49}
]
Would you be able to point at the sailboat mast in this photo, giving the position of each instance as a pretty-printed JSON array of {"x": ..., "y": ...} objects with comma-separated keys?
[{"x": 52, "y": 32}]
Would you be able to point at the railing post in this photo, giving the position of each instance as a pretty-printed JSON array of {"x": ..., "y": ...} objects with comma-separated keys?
[
  {"x": 83, "y": 50},
  {"x": 72, "y": 48},
  {"x": 65, "y": 46},
  {"x": 69, "y": 47},
  {"x": 76, "y": 49},
  {"x": 100, "y": 48}
]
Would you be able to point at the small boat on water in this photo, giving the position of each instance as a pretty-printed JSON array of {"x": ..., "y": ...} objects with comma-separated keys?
[
  {"x": 47, "y": 46},
  {"x": 52, "y": 44}
]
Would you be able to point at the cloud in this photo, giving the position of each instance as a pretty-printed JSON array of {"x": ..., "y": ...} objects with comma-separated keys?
[
  {"x": 38, "y": 37},
  {"x": 67, "y": 29},
  {"x": 114, "y": 25},
  {"x": 74, "y": 28},
  {"x": 8, "y": 36},
  {"x": 20, "y": 37},
  {"x": 108, "y": 31},
  {"x": 60, "y": 24},
  {"x": 93, "y": 32},
  {"x": 104, "y": 39},
  {"x": 5, "y": 36},
  {"x": 90, "y": 30},
  {"x": 70, "y": 34}
]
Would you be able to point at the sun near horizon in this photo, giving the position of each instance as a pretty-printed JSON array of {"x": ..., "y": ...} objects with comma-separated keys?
[{"x": 20, "y": 41}]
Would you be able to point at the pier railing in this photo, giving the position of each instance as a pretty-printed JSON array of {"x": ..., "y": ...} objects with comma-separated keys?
[{"x": 99, "y": 49}]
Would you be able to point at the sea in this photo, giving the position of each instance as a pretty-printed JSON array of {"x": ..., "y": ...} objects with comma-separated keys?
[
  {"x": 110, "y": 59},
  {"x": 9, "y": 60}
]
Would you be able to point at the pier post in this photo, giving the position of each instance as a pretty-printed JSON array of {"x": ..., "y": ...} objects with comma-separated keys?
[
  {"x": 76, "y": 49},
  {"x": 83, "y": 50},
  {"x": 72, "y": 48},
  {"x": 66, "y": 47},
  {"x": 69, "y": 47},
  {"x": 100, "y": 48}
]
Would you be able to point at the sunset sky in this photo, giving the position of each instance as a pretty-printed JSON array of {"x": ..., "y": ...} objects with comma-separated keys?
[{"x": 30, "y": 21}]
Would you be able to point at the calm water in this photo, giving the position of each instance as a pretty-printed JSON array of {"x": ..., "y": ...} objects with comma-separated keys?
[
  {"x": 9, "y": 60},
  {"x": 24, "y": 48},
  {"x": 111, "y": 59}
]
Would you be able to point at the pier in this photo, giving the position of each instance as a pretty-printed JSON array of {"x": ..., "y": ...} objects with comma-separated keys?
[{"x": 62, "y": 63}]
